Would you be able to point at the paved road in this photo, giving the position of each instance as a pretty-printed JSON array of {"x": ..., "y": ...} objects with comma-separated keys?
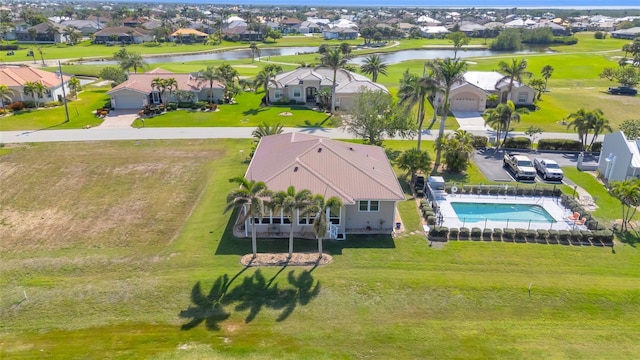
[{"x": 98, "y": 134}]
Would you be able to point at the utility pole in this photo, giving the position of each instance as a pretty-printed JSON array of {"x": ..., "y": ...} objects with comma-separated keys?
[{"x": 64, "y": 94}]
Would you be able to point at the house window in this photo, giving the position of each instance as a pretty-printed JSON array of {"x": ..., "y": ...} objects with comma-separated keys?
[
  {"x": 334, "y": 217},
  {"x": 276, "y": 94},
  {"x": 306, "y": 219},
  {"x": 296, "y": 92},
  {"x": 522, "y": 97},
  {"x": 369, "y": 206}
]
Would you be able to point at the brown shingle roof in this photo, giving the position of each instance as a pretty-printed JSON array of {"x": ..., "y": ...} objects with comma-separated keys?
[
  {"x": 122, "y": 31},
  {"x": 183, "y": 32},
  {"x": 349, "y": 171}
]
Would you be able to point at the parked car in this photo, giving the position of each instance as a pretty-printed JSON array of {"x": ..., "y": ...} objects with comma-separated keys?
[
  {"x": 548, "y": 169},
  {"x": 623, "y": 90},
  {"x": 520, "y": 165}
]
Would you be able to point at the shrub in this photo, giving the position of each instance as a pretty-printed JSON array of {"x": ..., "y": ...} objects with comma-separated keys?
[
  {"x": 8, "y": 47},
  {"x": 596, "y": 147},
  {"x": 542, "y": 234},
  {"x": 424, "y": 204},
  {"x": 438, "y": 232},
  {"x": 497, "y": 234},
  {"x": 476, "y": 233},
  {"x": 453, "y": 233},
  {"x": 586, "y": 235},
  {"x": 604, "y": 236},
  {"x": 565, "y": 40},
  {"x": 563, "y": 235},
  {"x": 486, "y": 234},
  {"x": 521, "y": 234},
  {"x": 531, "y": 234},
  {"x": 464, "y": 233},
  {"x": 553, "y": 235},
  {"x": 530, "y": 107},
  {"x": 509, "y": 234},
  {"x": 480, "y": 141},
  {"x": 16, "y": 106},
  {"x": 518, "y": 142},
  {"x": 431, "y": 220},
  {"x": 600, "y": 35},
  {"x": 559, "y": 144},
  {"x": 575, "y": 235}
]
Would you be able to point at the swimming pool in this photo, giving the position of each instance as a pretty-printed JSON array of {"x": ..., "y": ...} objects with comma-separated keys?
[{"x": 476, "y": 212}]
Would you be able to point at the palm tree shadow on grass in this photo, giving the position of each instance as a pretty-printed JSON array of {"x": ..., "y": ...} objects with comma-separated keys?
[{"x": 253, "y": 295}]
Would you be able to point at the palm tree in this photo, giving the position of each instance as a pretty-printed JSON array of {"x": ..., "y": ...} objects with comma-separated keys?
[
  {"x": 413, "y": 91},
  {"x": 5, "y": 96},
  {"x": 457, "y": 148},
  {"x": 580, "y": 123},
  {"x": 318, "y": 207},
  {"x": 628, "y": 192},
  {"x": 254, "y": 50},
  {"x": 598, "y": 124},
  {"x": 75, "y": 86},
  {"x": 248, "y": 197},
  {"x": 506, "y": 114},
  {"x": 133, "y": 60},
  {"x": 546, "y": 74},
  {"x": 34, "y": 89},
  {"x": 171, "y": 84},
  {"x": 228, "y": 75},
  {"x": 513, "y": 72},
  {"x": 41, "y": 52},
  {"x": 208, "y": 75},
  {"x": 266, "y": 129},
  {"x": 263, "y": 79},
  {"x": 160, "y": 85},
  {"x": 287, "y": 202},
  {"x": 373, "y": 66},
  {"x": 334, "y": 59},
  {"x": 446, "y": 72},
  {"x": 539, "y": 86}
]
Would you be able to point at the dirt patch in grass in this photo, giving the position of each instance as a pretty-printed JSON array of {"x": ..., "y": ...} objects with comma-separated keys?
[
  {"x": 99, "y": 194},
  {"x": 282, "y": 259}
]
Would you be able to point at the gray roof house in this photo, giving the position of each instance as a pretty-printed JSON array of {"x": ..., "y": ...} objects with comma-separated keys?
[
  {"x": 629, "y": 34},
  {"x": 619, "y": 157},
  {"x": 360, "y": 175},
  {"x": 302, "y": 85}
]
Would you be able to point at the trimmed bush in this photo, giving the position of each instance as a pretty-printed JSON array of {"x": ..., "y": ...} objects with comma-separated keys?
[
  {"x": 464, "y": 233},
  {"x": 563, "y": 236},
  {"x": 553, "y": 235},
  {"x": 431, "y": 220},
  {"x": 530, "y": 107},
  {"x": 531, "y": 235},
  {"x": 424, "y": 204},
  {"x": 486, "y": 234},
  {"x": 521, "y": 234},
  {"x": 559, "y": 144},
  {"x": 438, "y": 232},
  {"x": 575, "y": 236},
  {"x": 453, "y": 233},
  {"x": 508, "y": 235},
  {"x": 497, "y": 234},
  {"x": 16, "y": 106},
  {"x": 480, "y": 141},
  {"x": 476, "y": 233},
  {"x": 518, "y": 142},
  {"x": 542, "y": 234}
]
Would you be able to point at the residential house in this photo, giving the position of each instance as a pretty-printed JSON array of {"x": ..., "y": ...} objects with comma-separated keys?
[
  {"x": 16, "y": 76},
  {"x": 302, "y": 85},
  {"x": 628, "y": 34},
  {"x": 425, "y": 20},
  {"x": 188, "y": 36},
  {"x": 434, "y": 31},
  {"x": 86, "y": 27},
  {"x": 471, "y": 93},
  {"x": 619, "y": 157},
  {"x": 250, "y": 35},
  {"x": 47, "y": 32},
  {"x": 339, "y": 34},
  {"x": 133, "y": 22},
  {"x": 471, "y": 28},
  {"x": 122, "y": 34},
  {"x": 359, "y": 175},
  {"x": 137, "y": 92},
  {"x": 557, "y": 30},
  {"x": 288, "y": 24},
  {"x": 309, "y": 27}
]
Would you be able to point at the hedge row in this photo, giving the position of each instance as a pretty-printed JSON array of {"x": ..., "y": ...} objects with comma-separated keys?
[
  {"x": 574, "y": 237},
  {"x": 518, "y": 189},
  {"x": 9, "y": 47},
  {"x": 560, "y": 144},
  {"x": 480, "y": 141},
  {"x": 518, "y": 142}
]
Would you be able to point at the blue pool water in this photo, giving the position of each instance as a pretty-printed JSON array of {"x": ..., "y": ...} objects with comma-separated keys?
[{"x": 475, "y": 212}]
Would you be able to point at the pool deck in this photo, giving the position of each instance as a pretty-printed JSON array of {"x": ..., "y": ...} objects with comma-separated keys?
[{"x": 551, "y": 205}]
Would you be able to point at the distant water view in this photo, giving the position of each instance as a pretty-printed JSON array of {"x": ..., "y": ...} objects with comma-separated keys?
[{"x": 389, "y": 58}]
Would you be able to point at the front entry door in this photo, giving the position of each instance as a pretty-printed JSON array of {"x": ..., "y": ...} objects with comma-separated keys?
[
  {"x": 311, "y": 94},
  {"x": 155, "y": 97}
]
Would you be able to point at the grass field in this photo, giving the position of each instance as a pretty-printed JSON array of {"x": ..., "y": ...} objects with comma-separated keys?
[{"x": 124, "y": 252}]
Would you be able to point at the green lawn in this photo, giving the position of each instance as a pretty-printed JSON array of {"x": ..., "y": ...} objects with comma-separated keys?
[
  {"x": 80, "y": 114},
  {"x": 246, "y": 112},
  {"x": 144, "y": 240}
]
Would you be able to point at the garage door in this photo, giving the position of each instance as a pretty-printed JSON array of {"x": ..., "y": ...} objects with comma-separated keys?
[
  {"x": 464, "y": 104},
  {"x": 129, "y": 102}
]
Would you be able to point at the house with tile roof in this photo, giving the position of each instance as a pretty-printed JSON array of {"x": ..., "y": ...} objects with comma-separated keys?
[
  {"x": 303, "y": 84},
  {"x": 188, "y": 35},
  {"x": 122, "y": 34},
  {"x": 359, "y": 175},
  {"x": 16, "y": 76},
  {"x": 136, "y": 92},
  {"x": 471, "y": 93}
]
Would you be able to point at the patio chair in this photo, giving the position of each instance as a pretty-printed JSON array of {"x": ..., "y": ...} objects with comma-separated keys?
[
  {"x": 575, "y": 216},
  {"x": 580, "y": 222}
]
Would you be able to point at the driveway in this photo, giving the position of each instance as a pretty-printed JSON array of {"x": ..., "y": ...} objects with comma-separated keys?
[
  {"x": 118, "y": 119},
  {"x": 471, "y": 121}
]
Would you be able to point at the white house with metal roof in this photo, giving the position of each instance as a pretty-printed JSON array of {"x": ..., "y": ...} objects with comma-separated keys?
[
  {"x": 619, "y": 157},
  {"x": 302, "y": 85},
  {"x": 360, "y": 175}
]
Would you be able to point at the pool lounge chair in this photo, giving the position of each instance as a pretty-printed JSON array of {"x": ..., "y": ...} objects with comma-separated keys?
[
  {"x": 580, "y": 222},
  {"x": 574, "y": 217}
]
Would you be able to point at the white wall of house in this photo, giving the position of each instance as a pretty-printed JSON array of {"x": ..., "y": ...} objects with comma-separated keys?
[
  {"x": 615, "y": 158},
  {"x": 53, "y": 94},
  {"x": 128, "y": 99},
  {"x": 365, "y": 217}
]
